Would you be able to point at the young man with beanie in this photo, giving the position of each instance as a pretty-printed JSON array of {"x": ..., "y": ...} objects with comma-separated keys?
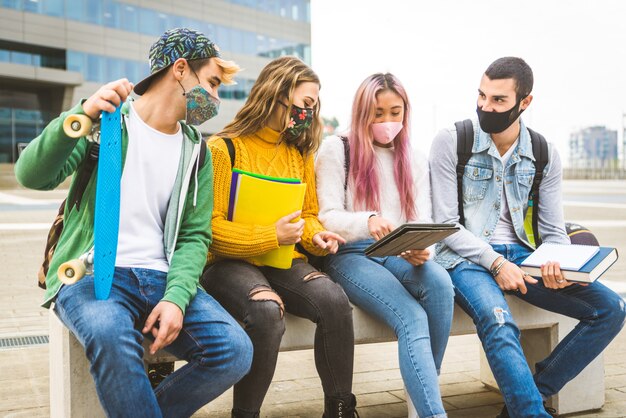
[
  {"x": 164, "y": 234},
  {"x": 483, "y": 258}
]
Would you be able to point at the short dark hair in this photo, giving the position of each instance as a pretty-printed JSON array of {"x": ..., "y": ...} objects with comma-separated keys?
[{"x": 515, "y": 68}]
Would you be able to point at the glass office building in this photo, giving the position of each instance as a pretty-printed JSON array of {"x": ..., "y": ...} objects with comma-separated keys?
[{"x": 53, "y": 52}]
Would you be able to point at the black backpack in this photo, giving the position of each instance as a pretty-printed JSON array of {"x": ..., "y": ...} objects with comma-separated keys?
[
  {"x": 316, "y": 261},
  {"x": 83, "y": 175},
  {"x": 465, "y": 142}
]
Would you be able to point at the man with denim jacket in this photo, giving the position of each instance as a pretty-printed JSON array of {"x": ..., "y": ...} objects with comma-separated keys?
[
  {"x": 483, "y": 257},
  {"x": 166, "y": 200}
]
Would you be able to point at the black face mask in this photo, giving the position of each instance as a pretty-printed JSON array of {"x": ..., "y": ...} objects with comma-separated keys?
[{"x": 496, "y": 122}]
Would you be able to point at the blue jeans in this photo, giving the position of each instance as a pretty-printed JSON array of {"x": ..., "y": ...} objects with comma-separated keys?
[
  {"x": 599, "y": 310},
  {"x": 217, "y": 350},
  {"x": 417, "y": 302}
]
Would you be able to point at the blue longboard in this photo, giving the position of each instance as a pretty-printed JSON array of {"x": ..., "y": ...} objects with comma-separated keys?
[{"x": 107, "y": 212}]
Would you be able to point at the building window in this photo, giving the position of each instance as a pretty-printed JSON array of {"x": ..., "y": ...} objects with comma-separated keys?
[
  {"x": 128, "y": 17},
  {"x": 53, "y": 7}
]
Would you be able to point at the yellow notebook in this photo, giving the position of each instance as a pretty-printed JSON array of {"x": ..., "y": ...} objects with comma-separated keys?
[{"x": 263, "y": 201}]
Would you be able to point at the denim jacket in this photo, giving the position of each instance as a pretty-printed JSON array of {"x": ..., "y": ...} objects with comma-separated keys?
[{"x": 483, "y": 181}]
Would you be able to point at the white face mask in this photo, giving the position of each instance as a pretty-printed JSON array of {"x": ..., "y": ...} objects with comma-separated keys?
[{"x": 385, "y": 132}]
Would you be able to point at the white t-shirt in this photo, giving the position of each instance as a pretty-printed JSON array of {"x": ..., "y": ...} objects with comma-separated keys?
[
  {"x": 150, "y": 169},
  {"x": 505, "y": 232}
]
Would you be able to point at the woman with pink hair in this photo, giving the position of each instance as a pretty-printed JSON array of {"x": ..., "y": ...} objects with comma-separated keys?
[{"x": 368, "y": 183}]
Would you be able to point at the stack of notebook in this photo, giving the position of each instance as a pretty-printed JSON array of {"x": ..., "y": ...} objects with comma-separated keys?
[
  {"x": 579, "y": 263},
  {"x": 263, "y": 200}
]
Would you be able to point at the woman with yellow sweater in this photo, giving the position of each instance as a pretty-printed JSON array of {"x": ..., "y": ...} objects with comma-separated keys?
[{"x": 276, "y": 133}]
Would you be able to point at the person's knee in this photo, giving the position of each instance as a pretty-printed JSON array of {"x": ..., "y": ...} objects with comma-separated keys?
[
  {"x": 230, "y": 356},
  {"x": 409, "y": 320},
  {"x": 614, "y": 312},
  {"x": 496, "y": 319},
  {"x": 266, "y": 312},
  {"x": 108, "y": 337},
  {"x": 241, "y": 351},
  {"x": 441, "y": 284},
  {"x": 331, "y": 299}
]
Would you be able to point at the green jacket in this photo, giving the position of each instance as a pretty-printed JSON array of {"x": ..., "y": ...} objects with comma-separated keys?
[{"x": 52, "y": 156}]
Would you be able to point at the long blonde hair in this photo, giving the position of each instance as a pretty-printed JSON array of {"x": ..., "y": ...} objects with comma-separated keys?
[{"x": 278, "y": 79}]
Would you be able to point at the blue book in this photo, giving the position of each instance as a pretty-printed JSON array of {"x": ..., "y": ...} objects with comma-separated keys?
[{"x": 589, "y": 272}]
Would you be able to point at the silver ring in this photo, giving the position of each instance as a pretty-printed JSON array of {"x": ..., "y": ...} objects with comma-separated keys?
[{"x": 560, "y": 281}]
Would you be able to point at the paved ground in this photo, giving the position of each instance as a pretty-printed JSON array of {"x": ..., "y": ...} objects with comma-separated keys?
[{"x": 24, "y": 382}]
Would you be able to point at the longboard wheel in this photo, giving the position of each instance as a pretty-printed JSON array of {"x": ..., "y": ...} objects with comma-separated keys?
[
  {"x": 72, "y": 271},
  {"x": 76, "y": 126}
]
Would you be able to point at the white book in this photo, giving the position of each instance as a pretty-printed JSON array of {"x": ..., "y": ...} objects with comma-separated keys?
[{"x": 570, "y": 257}]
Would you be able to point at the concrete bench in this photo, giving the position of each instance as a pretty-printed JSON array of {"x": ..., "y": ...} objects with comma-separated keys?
[{"x": 73, "y": 395}]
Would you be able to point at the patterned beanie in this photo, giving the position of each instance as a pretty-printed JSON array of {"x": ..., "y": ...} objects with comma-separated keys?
[{"x": 172, "y": 45}]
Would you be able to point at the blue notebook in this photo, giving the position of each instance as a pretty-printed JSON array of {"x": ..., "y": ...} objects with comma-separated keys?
[{"x": 589, "y": 272}]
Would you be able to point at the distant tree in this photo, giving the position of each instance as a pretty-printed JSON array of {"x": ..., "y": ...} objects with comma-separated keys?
[{"x": 330, "y": 125}]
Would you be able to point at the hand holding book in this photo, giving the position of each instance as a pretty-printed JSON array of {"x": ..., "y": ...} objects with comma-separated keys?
[
  {"x": 554, "y": 277},
  {"x": 416, "y": 257},
  {"x": 572, "y": 263},
  {"x": 380, "y": 227},
  {"x": 289, "y": 228},
  {"x": 262, "y": 200}
]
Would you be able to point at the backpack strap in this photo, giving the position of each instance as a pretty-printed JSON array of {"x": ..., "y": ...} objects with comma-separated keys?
[
  {"x": 203, "y": 150},
  {"x": 231, "y": 150},
  {"x": 346, "y": 161},
  {"x": 84, "y": 174},
  {"x": 192, "y": 130},
  {"x": 464, "y": 145},
  {"x": 541, "y": 154}
]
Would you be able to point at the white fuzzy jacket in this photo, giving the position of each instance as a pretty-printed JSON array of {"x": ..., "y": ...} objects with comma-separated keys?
[{"x": 337, "y": 211}]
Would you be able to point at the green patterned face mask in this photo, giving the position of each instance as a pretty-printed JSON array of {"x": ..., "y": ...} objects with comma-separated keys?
[
  {"x": 201, "y": 105},
  {"x": 300, "y": 120}
]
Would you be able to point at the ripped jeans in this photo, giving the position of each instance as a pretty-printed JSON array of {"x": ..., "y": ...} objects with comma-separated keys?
[
  {"x": 599, "y": 310},
  {"x": 258, "y": 297}
]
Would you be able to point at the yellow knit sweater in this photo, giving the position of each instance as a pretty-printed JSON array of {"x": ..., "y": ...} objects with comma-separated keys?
[{"x": 261, "y": 153}]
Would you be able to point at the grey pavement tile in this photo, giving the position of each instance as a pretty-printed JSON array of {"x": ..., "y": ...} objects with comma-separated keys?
[
  {"x": 463, "y": 388},
  {"x": 33, "y": 412},
  {"x": 395, "y": 410},
  {"x": 615, "y": 369},
  {"x": 400, "y": 394},
  {"x": 478, "y": 412},
  {"x": 378, "y": 386},
  {"x": 450, "y": 378},
  {"x": 474, "y": 400},
  {"x": 615, "y": 395},
  {"x": 276, "y": 396},
  {"x": 615, "y": 382},
  {"x": 380, "y": 398},
  {"x": 375, "y": 375},
  {"x": 459, "y": 367}
]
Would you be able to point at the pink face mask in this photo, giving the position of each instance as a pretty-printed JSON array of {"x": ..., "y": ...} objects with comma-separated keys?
[{"x": 385, "y": 132}]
